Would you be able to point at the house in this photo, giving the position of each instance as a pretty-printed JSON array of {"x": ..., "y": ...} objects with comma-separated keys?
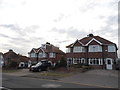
[
  {"x": 11, "y": 56},
  {"x": 94, "y": 51},
  {"x": 47, "y": 52},
  {"x": 1, "y": 59}
]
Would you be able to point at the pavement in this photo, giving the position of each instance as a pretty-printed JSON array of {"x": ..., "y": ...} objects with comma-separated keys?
[{"x": 97, "y": 78}]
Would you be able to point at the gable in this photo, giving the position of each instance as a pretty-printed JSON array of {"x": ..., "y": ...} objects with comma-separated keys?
[
  {"x": 77, "y": 44},
  {"x": 94, "y": 43},
  {"x": 93, "y": 39}
]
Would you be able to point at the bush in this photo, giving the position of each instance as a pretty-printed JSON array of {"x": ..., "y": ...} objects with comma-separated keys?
[
  {"x": 12, "y": 64},
  {"x": 61, "y": 63}
]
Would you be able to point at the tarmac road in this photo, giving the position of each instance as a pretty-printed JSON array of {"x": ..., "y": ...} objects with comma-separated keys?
[{"x": 10, "y": 82}]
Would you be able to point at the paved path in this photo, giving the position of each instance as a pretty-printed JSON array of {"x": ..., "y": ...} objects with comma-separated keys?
[{"x": 101, "y": 78}]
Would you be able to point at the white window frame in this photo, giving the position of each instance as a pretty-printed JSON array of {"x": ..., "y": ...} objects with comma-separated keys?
[
  {"x": 75, "y": 60},
  {"x": 40, "y": 55},
  {"x": 33, "y": 55},
  {"x": 44, "y": 55},
  {"x": 95, "y": 48},
  {"x": 78, "y": 49},
  {"x": 68, "y": 50},
  {"x": 52, "y": 55},
  {"x": 111, "y": 48},
  {"x": 100, "y": 61}
]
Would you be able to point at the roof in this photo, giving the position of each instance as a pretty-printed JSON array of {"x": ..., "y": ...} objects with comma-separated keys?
[
  {"x": 86, "y": 40},
  {"x": 49, "y": 48},
  {"x": 14, "y": 57}
]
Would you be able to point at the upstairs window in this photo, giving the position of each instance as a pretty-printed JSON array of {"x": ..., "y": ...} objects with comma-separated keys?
[
  {"x": 33, "y": 55},
  {"x": 40, "y": 55},
  {"x": 78, "y": 49},
  {"x": 52, "y": 55},
  {"x": 111, "y": 48},
  {"x": 44, "y": 54},
  {"x": 95, "y": 48},
  {"x": 68, "y": 50}
]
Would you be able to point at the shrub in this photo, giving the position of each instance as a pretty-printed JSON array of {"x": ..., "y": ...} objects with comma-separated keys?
[
  {"x": 12, "y": 64},
  {"x": 61, "y": 63}
]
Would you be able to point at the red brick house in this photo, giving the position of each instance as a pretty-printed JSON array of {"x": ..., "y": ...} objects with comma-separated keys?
[
  {"x": 94, "y": 51},
  {"x": 11, "y": 56},
  {"x": 47, "y": 52}
]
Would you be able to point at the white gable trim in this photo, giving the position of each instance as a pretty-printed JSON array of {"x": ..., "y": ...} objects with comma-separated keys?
[
  {"x": 94, "y": 40},
  {"x": 79, "y": 42},
  {"x": 34, "y": 50},
  {"x": 39, "y": 50}
]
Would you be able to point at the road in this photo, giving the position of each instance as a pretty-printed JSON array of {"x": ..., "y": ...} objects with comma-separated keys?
[{"x": 9, "y": 81}]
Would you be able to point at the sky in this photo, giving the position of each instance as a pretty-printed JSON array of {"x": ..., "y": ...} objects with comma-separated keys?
[{"x": 26, "y": 24}]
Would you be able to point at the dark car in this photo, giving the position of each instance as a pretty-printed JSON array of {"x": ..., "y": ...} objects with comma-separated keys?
[{"x": 40, "y": 66}]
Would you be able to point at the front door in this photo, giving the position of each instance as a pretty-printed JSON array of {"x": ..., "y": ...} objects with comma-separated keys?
[{"x": 109, "y": 63}]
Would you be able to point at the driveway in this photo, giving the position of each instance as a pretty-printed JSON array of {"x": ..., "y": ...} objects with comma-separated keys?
[{"x": 100, "y": 78}]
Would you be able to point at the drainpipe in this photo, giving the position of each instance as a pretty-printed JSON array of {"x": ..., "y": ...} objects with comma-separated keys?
[
  {"x": 37, "y": 57},
  {"x": 86, "y": 52}
]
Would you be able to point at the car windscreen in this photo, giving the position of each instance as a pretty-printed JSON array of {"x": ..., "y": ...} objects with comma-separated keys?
[{"x": 38, "y": 64}]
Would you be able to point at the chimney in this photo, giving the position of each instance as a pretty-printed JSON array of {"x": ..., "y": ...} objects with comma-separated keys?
[
  {"x": 10, "y": 50},
  {"x": 90, "y": 35},
  {"x": 48, "y": 43}
]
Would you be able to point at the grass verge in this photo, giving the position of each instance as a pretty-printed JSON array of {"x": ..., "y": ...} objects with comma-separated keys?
[
  {"x": 56, "y": 74},
  {"x": 9, "y": 70}
]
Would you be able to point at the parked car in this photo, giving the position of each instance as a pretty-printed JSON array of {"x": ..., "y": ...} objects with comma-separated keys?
[{"x": 40, "y": 66}]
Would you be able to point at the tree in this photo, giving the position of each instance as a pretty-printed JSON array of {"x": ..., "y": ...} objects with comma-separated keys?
[{"x": 63, "y": 62}]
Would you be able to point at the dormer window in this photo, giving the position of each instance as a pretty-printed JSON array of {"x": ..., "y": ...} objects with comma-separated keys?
[{"x": 43, "y": 46}]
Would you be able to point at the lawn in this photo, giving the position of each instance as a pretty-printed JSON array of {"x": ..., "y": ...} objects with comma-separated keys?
[
  {"x": 9, "y": 70},
  {"x": 56, "y": 74}
]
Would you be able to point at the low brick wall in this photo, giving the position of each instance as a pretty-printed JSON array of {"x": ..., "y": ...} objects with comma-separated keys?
[{"x": 96, "y": 66}]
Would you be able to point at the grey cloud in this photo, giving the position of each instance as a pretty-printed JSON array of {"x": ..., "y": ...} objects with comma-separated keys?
[
  {"x": 5, "y": 36},
  {"x": 11, "y": 26},
  {"x": 111, "y": 20},
  {"x": 71, "y": 32},
  {"x": 63, "y": 41}
]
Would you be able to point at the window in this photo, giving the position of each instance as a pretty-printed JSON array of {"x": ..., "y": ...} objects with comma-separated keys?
[
  {"x": 75, "y": 60},
  {"x": 40, "y": 55},
  {"x": 52, "y": 55},
  {"x": 44, "y": 55},
  {"x": 33, "y": 55},
  {"x": 70, "y": 61},
  {"x": 68, "y": 50},
  {"x": 78, "y": 49},
  {"x": 95, "y": 48},
  {"x": 82, "y": 60},
  {"x": 95, "y": 61},
  {"x": 111, "y": 48}
]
